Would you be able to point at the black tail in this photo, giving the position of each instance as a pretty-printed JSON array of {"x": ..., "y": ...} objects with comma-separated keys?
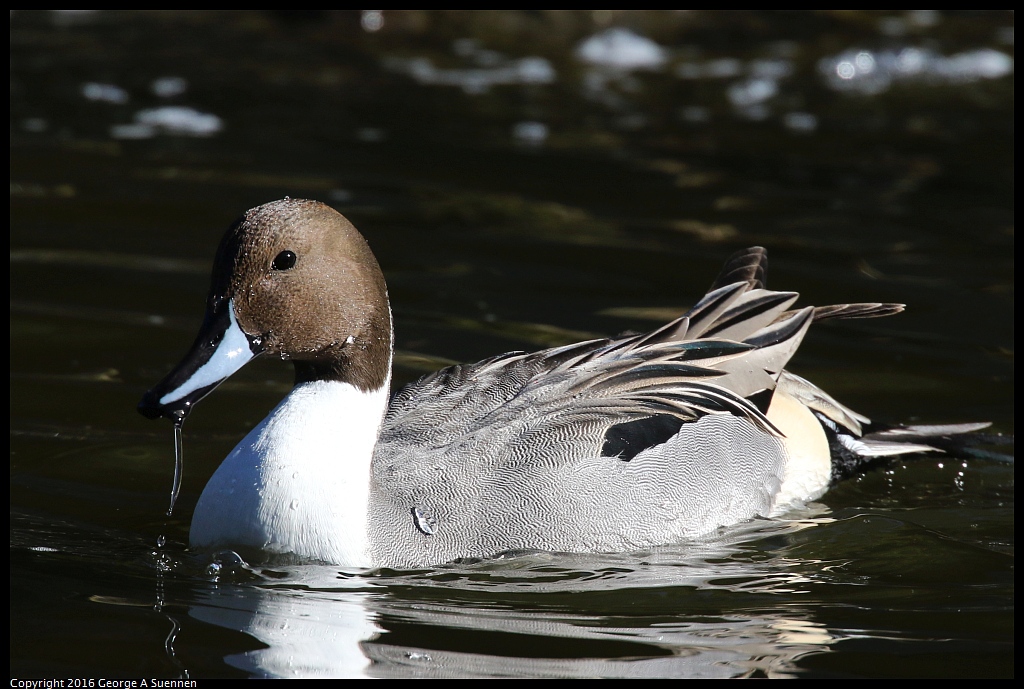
[{"x": 852, "y": 455}]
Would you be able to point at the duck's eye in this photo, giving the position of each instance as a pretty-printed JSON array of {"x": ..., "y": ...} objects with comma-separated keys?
[{"x": 284, "y": 260}]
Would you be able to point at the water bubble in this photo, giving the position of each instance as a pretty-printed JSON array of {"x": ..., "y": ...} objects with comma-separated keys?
[
  {"x": 173, "y": 119},
  {"x": 532, "y": 133},
  {"x": 622, "y": 49},
  {"x": 168, "y": 87},
  {"x": 372, "y": 20},
  {"x": 800, "y": 121},
  {"x": 752, "y": 91},
  {"x": 106, "y": 93},
  {"x": 723, "y": 68},
  {"x": 865, "y": 62}
]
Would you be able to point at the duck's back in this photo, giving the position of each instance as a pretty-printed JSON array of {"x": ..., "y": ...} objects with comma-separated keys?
[
  {"x": 495, "y": 494},
  {"x": 609, "y": 445}
]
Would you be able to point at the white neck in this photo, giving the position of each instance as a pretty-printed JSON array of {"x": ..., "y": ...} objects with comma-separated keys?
[{"x": 299, "y": 483}]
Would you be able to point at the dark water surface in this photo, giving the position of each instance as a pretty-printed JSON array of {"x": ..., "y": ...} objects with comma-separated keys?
[{"x": 526, "y": 179}]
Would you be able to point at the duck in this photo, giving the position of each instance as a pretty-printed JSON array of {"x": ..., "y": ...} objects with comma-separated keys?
[{"x": 610, "y": 445}]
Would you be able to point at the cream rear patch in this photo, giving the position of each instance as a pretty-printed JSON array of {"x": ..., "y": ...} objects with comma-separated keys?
[{"x": 808, "y": 462}]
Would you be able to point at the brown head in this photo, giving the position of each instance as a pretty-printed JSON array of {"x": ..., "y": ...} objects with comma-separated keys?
[{"x": 304, "y": 286}]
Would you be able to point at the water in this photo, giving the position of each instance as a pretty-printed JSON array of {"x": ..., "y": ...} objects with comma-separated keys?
[
  {"x": 519, "y": 192},
  {"x": 179, "y": 468}
]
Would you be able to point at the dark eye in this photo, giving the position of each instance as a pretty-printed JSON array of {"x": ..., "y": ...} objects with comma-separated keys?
[{"x": 284, "y": 260}]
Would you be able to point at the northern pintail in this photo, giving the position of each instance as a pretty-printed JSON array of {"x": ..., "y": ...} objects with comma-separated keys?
[{"x": 609, "y": 445}]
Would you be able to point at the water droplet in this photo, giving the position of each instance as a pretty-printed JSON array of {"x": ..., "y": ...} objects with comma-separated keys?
[
  {"x": 225, "y": 560},
  {"x": 161, "y": 541},
  {"x": 294, "y": 505}
]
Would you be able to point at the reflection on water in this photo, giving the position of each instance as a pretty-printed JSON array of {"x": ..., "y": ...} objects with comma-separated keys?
[
  {"x": 526, "y": 179},
  {"x": 306, "y": 634},
  {"x": 512, "y": 617}
]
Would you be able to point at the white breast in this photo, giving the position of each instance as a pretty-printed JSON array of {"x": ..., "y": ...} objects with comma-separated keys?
[{"x": 299, "y": 482}]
